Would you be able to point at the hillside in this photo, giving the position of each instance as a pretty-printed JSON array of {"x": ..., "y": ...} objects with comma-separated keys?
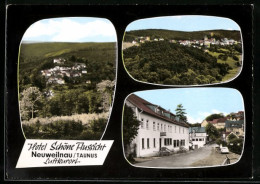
[
  {"x": 99, "y": 58},
  {"x": 89, "y": 50},
  {"x": 167, "y": 63},
  {"x": 181, "y": 35}
]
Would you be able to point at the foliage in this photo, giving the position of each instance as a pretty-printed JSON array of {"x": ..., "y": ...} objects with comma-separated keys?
[
  {"x": 235, "y": 145},
  {"x": 212, "y": 132},
  {"x": 106, "y": 88},
  {"x": 65, "y": 129},
  {"x": 34, "y": 57},
  {"x": 76, "y": 97},
  {"x": 29, "y": 103},
  {"x": 214, "y": 116},
  {"x": 180, "y": 35},
  {"x": 231, "y": 137},
  {"x": 168, "y": 63},
  {"x": 180, "y": 112},
  {"x": 223, "y": 57},
  {"x": 219, "y": 141},
  {"x": 130, "y": 125}
]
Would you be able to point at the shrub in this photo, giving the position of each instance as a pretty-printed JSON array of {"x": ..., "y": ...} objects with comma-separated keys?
[
  {"x": 236, "y": 145},
  {"x": 235, "y": 58},
  {"x": 65, "y": 129},
  {"x": 223, "y": 57}
]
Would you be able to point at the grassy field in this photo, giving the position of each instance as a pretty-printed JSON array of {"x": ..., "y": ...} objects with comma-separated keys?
[
  {"x": 84, "y": 118},
  {"x": 45, "y": 50},
  {"x": 231, "y": 62}
]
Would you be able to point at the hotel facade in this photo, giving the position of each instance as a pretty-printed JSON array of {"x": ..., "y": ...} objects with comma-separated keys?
[{"x": 158, "y": 129}]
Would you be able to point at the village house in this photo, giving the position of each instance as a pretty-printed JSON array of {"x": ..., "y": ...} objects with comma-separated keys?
[
  {"x": 204, "y": 123},
  {"x": 54, "y": 75},
  {"x": 205, "y": 42},
  {"x": 198, "y": 137},
  {"x": 236, "y": 127},
  {"x": 159, "y": 129},
  {"x": 59, "y": 60},
  {"x": 218, "y": 123}
]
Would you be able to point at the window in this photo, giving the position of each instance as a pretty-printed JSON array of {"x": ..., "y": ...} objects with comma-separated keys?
[
  {"x": 142, "y": 123},
  {"x": 175, "y": 129},
  {"x": 154, "y": 142},
  {"x": 148, "y": 143},
  {"x": 142, "y": 143},
  {"x": 165, "y": 128},
  {"x": 182, "y": 142},
  {"x": 154, "y": 126},
  {"x": 147, "y": 124},
  {"x": 179, "y": 129},
  {"x": 174, "y": 143},
  {"x": 158, "y": 126},
  {"x": 183, "y": 130},
  {"x": 167, "y": 141},
  {"x": 193, "y": 139},
  {"x": 178, "y": 143},
  {"x": 161, "y": 127},
  {"x": 200, "y": 139}
]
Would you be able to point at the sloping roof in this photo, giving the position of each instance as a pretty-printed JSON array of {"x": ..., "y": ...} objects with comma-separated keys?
[
  {"x": 142, "y": 105},
  {"x": 222, "y": 119},
  {"x": 197, "y": 129},
  {"x": 214, "y": 121},
  {"x": 234, "y": 124}
]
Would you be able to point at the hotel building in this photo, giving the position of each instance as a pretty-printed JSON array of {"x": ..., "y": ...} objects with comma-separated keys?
[{"x": 158, "y": 129}]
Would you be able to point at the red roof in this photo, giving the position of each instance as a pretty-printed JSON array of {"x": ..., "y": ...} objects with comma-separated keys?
[
  {"x": 222, "y": 119},
  {"x": 142, "y": 105}
]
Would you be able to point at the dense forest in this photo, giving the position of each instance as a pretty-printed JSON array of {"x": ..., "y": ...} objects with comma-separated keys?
[
  {"x": 91, "y": 92},
  {"x": 167, "y": 63}
]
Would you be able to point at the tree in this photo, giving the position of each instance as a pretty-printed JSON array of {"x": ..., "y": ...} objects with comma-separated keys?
[
  {"x": 30, "y": 98},
  {"x": 212, "y": 132},
  {"x": 106, "y": 89},
  {"x": 235, "y": 145},
  {"x": 130, "y": 125},
  {"x": 214, "y": 116},
  {"x": 180, "y": 112}
]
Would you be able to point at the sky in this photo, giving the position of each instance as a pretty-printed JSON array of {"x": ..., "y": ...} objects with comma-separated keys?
[
  {"x": 184, "y": 23},
  {"x": 198, "y": 102},
  {"x": 71, "y": 29}
]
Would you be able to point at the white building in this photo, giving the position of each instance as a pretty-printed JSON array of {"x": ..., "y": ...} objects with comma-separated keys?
[
  {"x": 159, "y": 128},
  {"x": 198, "y": 137}
]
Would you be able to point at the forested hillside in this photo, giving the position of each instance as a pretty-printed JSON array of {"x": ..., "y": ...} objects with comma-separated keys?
[
  {"x": 181, "y": 35},
  {"x": 65, "y": 79},
  {"x": 167, "y": 63}
]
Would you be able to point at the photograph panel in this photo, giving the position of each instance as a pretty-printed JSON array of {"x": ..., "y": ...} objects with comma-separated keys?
[
  {"x": 66, "y": 76},
  {"x": 183, "y": 128},
  {"x": 183, "y": 50}
]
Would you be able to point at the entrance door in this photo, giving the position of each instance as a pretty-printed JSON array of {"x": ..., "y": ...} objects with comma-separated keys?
[{"x": 160, "y": 143}]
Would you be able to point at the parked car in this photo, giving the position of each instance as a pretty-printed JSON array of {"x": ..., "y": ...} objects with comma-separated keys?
[{"x": 224, "y": 150}]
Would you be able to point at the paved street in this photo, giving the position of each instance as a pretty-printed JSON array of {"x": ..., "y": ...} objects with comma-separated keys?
[{"x": 179, "y": 160}]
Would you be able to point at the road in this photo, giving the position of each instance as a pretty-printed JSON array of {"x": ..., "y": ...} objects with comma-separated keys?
[{"x": 179, "y": 160}]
